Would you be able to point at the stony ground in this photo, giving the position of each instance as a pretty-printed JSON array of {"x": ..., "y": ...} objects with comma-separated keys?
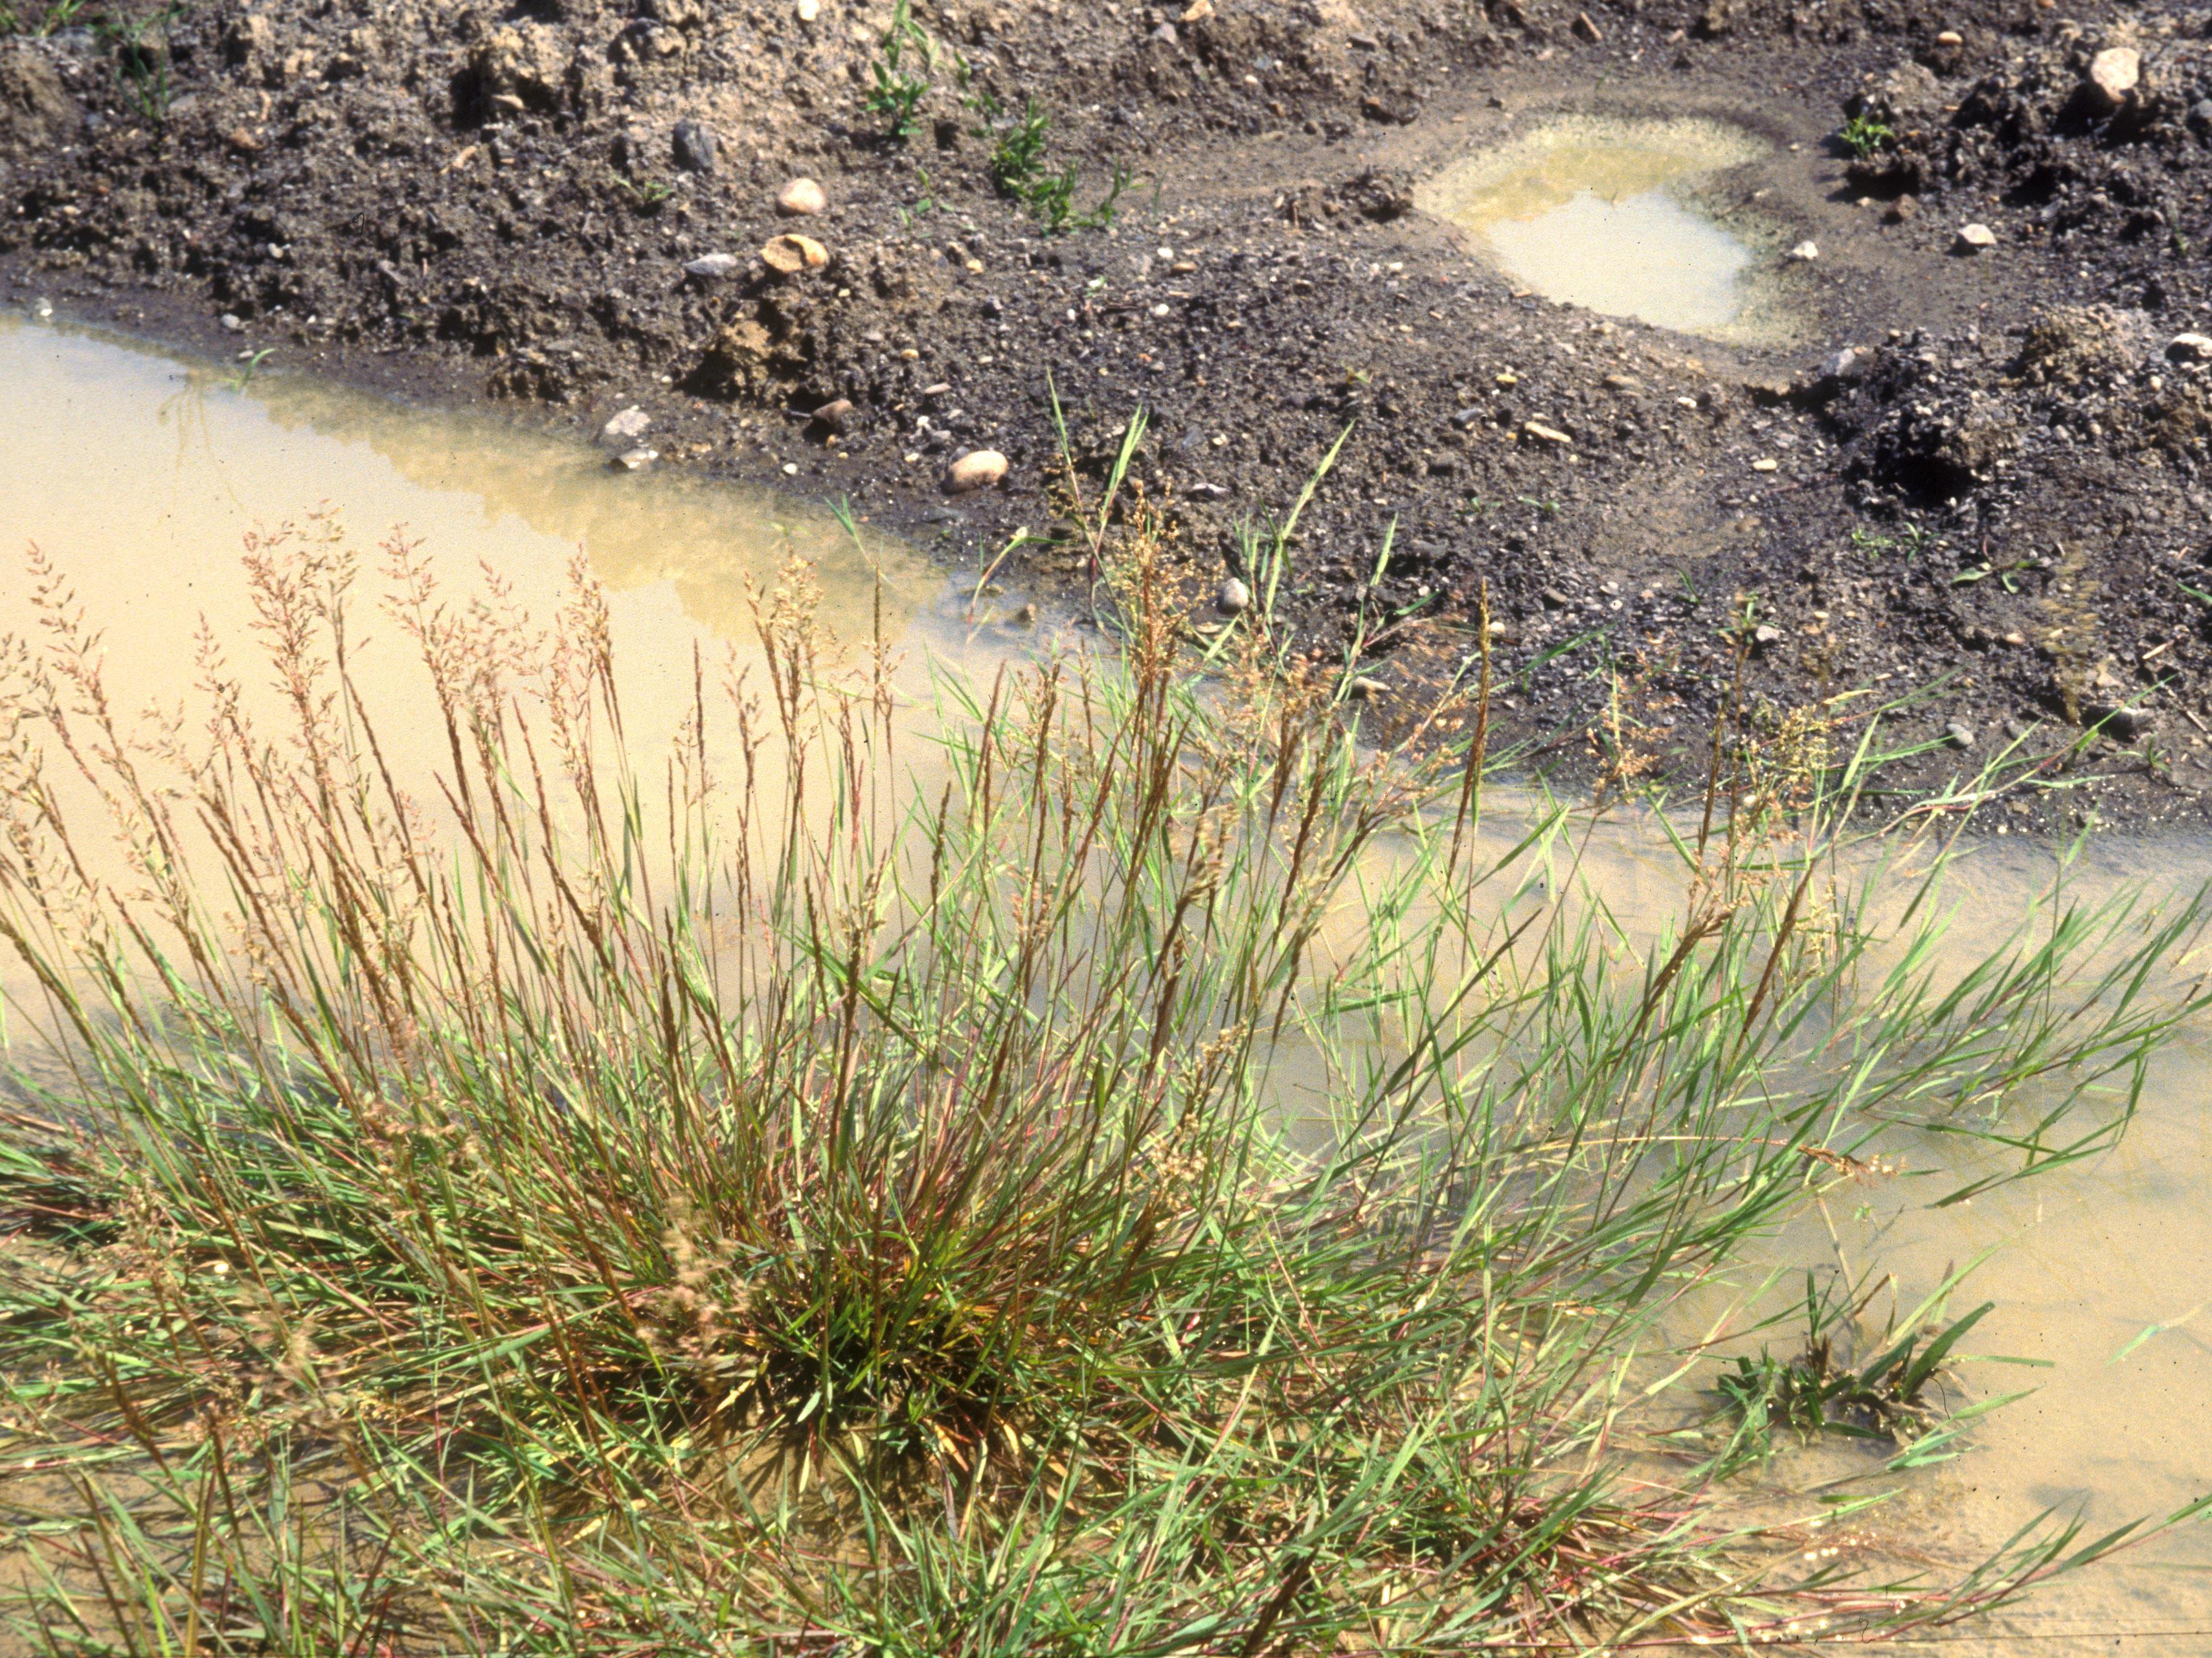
[{"x": 1971, "y": 473}]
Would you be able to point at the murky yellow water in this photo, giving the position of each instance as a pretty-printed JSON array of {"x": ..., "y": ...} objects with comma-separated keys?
[
  {"x": 1590, "y": 213},
  {"x": 2101, "y": 1274},
  {"x": 139, "y": 475}
]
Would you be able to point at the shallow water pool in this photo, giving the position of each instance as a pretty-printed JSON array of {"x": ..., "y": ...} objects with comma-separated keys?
[
  {"x": 1597, "y": 214},
  {"x": 139, "y": 475}
]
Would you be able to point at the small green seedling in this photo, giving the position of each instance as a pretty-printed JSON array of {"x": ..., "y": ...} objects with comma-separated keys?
[
  {"x": 59, "y": 15},
  {"x": 645, "y": 197},
  {"x": 1862, "y": 135},
  {"x": 1885, "y": 1397},
  {"x": 253, "y": 362},
  {"x": 1020, "y": 153},
  {"x": 1873, "y": 542},
  {"x": 898, "y": 92},
  {"x": 1018, "y": 169},
  {"x": 922, "y": 206},
  {"x": 140, "y": 49}
]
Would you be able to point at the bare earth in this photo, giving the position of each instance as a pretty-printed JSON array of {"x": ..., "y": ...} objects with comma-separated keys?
[{"x": 1998, "y": 489}]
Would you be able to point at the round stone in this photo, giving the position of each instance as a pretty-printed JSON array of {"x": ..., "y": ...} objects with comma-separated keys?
[
  {"x": 2114, "y": 74},
  {"x": 802, "y": 198},
  {"x": 979, "y": 469}
]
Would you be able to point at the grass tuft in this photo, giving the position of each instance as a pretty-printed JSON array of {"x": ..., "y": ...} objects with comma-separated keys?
[{"x": 1140, "y": 1171}]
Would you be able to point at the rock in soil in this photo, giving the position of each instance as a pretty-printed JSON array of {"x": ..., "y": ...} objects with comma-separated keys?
[
  {"x": 978, "y": 469},
  {"x": 789, "y": 255},
  {"x": 801, "y": 199},
  {"x": 37, "y": 113},
  {"x": 694, "y": 148},
  {"x": 2113, "y": 76}
]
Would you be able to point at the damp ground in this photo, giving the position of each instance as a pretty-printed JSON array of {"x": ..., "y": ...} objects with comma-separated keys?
[{"x": 496, "y": 212}]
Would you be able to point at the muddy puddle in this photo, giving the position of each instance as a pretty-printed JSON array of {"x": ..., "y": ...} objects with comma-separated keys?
[
  {"x": 2101, "y": 1274},
  {"x": 1611, "y": 217},
  {"x": 139, "y": 474}
]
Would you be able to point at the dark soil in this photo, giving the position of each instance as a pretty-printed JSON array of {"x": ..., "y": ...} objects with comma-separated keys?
[{"x": 1997, "y": 497}]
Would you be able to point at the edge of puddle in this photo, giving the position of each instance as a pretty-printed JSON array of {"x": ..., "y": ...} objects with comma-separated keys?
[{"x": 1714, "y": 161}]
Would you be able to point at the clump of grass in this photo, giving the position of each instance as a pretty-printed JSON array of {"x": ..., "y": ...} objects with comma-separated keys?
[
  {"x": 1018, "y": 154},
  {"x": 139, "y": 46},
  {"x": 50, "y": 18},
  {"x": 1887, "y": 1394},
  {"x": 797, "y": 1203}
]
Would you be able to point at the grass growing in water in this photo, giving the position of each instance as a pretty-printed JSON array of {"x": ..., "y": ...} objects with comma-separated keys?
[{"x": 792, "y": 1207}]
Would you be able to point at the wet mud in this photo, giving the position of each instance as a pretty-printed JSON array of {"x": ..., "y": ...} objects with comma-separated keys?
[{"x": 1970, "y": 476}]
